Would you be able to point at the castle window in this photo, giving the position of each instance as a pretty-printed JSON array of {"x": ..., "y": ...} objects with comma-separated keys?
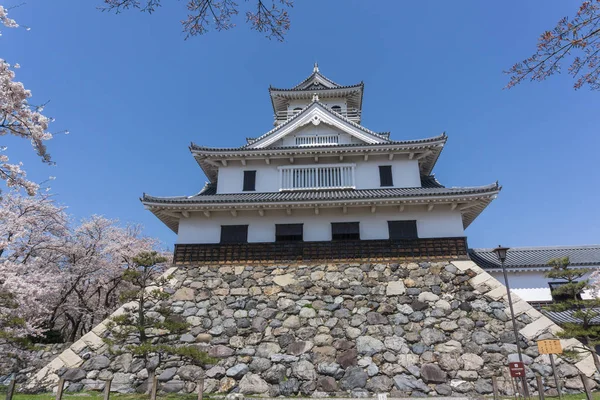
[
  {"x": 345, "y": 231},
  {"x": 288, "y": 232},
  {"x": 234, "y": 233},
  {"x": 297, "y": 110},
  {"x": 385, "y": 175},
  {"x": 402, "y": 230},
  {"x": 337, "y": 109},
  {"x": 249, "y": 181}
]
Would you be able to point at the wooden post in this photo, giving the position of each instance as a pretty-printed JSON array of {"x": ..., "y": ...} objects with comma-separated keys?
[
  {"x": 588, "y": 394},
  {"x": 495, "y": 386},
  {"x": 107, "y": 389},
  {"x": 515, "y": 389},
  {"x": 154, "y": 388},
  {"x": 540, "y": 387},
  {"x": 555, "y": 376},
  {"x": 10, "y": 390},
  {"x": 59, "y": 389},
  {"x": 200, "y": 388}
]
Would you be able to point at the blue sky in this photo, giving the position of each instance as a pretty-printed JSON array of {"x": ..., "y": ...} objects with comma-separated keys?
[{"x": 134, "y": 94}]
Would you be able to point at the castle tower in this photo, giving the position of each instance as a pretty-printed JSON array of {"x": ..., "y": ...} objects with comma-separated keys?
[{"x": 320, "y": 185}]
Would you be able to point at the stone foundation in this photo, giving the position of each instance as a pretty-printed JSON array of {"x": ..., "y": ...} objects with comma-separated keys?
[{"x": 411, "y": 329}]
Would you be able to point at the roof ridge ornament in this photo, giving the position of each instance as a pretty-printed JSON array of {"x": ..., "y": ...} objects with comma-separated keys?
[
  {"x": 315, "y": 97},
  {"x": 316, "y": 67}
]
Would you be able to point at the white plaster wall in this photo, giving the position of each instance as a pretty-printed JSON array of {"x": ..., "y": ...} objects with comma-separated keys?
[
  {"x": 529, "y": 285},
  {"x": 441, "y": 222},
  {"x": 405, "y": 173}
]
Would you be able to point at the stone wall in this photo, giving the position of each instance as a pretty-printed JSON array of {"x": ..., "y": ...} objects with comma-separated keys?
[
  {"x": 29, "y": 361},
  {"x": 408, "y": 329}
]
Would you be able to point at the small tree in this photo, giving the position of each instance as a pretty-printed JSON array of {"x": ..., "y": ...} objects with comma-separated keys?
[
  {"x": 569, "y": 295},
  {"x": 147, "y": 325}
]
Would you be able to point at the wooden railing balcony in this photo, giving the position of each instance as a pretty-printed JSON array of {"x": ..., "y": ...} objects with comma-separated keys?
[
  {"x": 317, "y": 140},
  {"x": 408, "y": 250},
  {"x": 321, "y": 177},
  {"x": 350, "y": 113}
]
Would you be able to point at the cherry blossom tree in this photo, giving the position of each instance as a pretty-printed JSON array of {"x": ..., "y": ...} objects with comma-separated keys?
[
  {"x": 56, "y": 276},
  {"x": 575, "y": 40},
  {"x": 32, "y": 230},
  {"x": 266, "y": 16},
  {"x": 95, "y": 256},
  {"x": 19, "y": 118}
]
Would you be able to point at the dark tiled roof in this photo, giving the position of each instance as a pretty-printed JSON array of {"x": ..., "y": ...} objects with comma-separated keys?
[
  {"x": 523, "y": 257},
  {"x": 429, "y": 181},
  {"x": 207, "y": 196},
  {"x": 194, "y": 146},
  {"x": 317, "y": 89},
  {"x": 564, "y": 317},
  {"x": 316, "y": 74}
]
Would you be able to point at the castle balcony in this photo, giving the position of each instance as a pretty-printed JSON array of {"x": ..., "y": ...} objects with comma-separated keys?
[
  {"x": 311, "y": 177},
  {"x": 352, "y": 114},
  {"x": 405, "y": 250}
]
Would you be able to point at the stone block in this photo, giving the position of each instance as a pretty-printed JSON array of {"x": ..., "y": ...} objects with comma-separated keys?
[
  {"x": 480, "y": 279},
  {"x": 587, "y": 366},
  {"x": 184, "y": 294},
  {"x": 55, "y": 365},
  {"x": 99, "y": 329},
  {"x": 395, "y": 288},
  {"x": 285, "y": 280},
  {"x": 78, "y": 346},
  {"x": 519, "y": 306},
  {"x": 70, "y": 359},
  {"x": 533, "y": 313},
  {"x": 536, "y": 328},
  {"x": 463, "y": 265},
  {"x": 92, "y": 340},
  {"x": 497, "y": 293}
]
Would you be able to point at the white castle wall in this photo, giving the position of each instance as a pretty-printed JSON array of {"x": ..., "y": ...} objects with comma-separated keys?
[
  {"x": 530, "y": 285},
  {"x": 440, "y": 222},
  {"x": 405, "y": 173}
]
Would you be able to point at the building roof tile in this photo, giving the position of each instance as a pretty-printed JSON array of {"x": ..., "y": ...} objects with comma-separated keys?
[
  {"x": 528, "y": 257},
  {"x": 208, "y": 196}
]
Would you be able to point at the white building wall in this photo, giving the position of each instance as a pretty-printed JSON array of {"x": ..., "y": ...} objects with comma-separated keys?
[
  {"x": 530, "y": 285},
  {"x": 436, "y": 223},
  {"x": 405, "y": 173}
]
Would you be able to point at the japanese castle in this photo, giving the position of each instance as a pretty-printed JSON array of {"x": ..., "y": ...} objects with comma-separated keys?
[{"x": 320, "y": 185}]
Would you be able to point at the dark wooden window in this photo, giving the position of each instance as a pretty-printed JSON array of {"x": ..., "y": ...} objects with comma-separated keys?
[
  {"x": 288, "y": 232},
  {"x": 345, "y": 231},
  {"x": 337, "y": 109},
  {"x": 234, "y": 233},
  {"x": 385, "y": 175},
  {"x": 402, "y": 230},
  {"x": 249, "y": 181}
]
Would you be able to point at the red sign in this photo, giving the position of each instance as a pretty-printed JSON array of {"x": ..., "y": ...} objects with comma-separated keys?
[{"x": 517, "y": 369}]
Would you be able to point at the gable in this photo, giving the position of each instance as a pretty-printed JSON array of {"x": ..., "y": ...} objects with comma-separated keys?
[
  {"x": 305, "y": 135},
  {"x": 316, "y": 81},
  {"x": 325, "y": 120}
]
